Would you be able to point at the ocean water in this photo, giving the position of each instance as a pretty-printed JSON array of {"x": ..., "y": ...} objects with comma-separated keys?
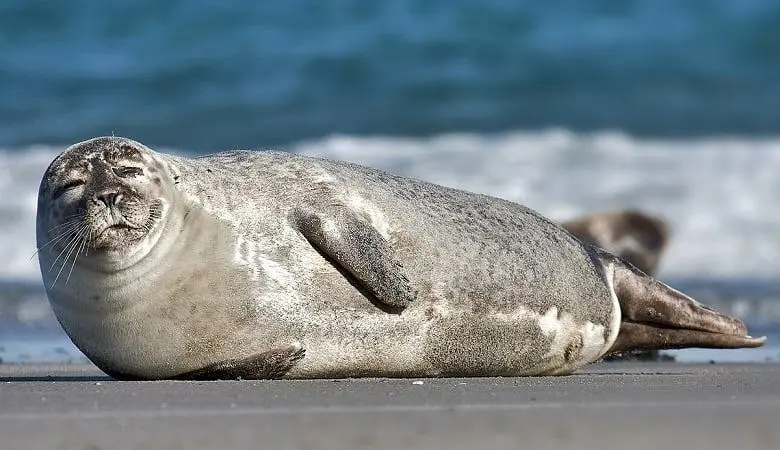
[
  {"x": 569, "y": 107},
  {"x": 202, "y": 74}
]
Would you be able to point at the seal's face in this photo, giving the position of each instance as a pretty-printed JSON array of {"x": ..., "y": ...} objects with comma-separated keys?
[{"x": 103, "y": 197}]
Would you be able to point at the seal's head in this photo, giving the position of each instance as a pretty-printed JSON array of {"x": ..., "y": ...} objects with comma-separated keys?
[{"x": 102, "y": 201}]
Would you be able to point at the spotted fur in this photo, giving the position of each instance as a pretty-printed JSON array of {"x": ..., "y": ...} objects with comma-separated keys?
[{"x": 223, "y": 260}]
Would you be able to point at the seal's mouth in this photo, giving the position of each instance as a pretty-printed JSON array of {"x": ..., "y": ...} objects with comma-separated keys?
[
  {"x": 119, "y": 234},
  {"x": 115, "y": 229},
  {"x": 120, "y": 226}
]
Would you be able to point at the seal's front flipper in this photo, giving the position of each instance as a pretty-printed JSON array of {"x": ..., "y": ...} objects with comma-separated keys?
[
  {"x": 655, "y": 316},
  {"x": 272, "y": 364},
  {"x": 359, "y": 249}
]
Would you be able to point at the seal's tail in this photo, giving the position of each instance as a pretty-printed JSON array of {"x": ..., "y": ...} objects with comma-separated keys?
[{"x": 655, "y": 316}]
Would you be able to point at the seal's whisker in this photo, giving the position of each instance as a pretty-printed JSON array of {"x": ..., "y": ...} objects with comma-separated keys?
[
  {"x": 147, "y": 226},
  {"x": 64, "y": 231},
  {"x": 71, "y": 237},
  {"x": 77, "y": 247},
  {"x": 68, "y": 218},
  {"x": 88, "y": 241},
  {"x": 65, "y": 227},
  {"x": 61, "y": 229},
  {"x": 72, "y": 246},
  {"x": 153, "y": 211},
  {"x": 54, "y": 240},
  {"x": 73, "y": 218},
  {"x": 76, "y": 256},
  {"x": 71, "y": 242}
]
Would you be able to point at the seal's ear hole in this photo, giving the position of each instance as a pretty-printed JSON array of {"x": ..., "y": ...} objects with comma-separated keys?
[
  {"x": 66, "y": 187},
  {"x": 128, "y": 172}
]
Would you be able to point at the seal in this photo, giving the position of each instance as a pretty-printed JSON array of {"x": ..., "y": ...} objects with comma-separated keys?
[
  {"x": 634, "y": 236},
  {"x": 252, "y": 264}
]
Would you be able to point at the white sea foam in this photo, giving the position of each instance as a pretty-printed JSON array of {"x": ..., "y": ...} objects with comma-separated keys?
[
  {"x": 720, "y": 195},
  {"x": 20, "y": 175}
]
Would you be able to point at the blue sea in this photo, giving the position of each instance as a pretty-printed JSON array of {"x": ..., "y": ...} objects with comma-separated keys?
[{"x": 569, "y": 107}]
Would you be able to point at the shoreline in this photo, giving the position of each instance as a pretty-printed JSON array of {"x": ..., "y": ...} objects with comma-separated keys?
[{"x": 644, "y": 405}]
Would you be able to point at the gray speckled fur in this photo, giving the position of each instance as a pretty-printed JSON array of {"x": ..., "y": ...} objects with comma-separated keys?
[
  {"x": 486, "y": 249},
  {"x": 466, "y": 270},
  {"x": 477, "y": 254}
]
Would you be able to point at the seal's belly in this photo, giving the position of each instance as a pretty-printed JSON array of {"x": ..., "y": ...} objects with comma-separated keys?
[
  {"x": 523, "y": 343},
  {"x": 432, "y": 340}
]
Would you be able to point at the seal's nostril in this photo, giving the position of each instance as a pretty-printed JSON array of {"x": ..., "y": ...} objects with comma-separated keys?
[{"x": 110, "y": 198}]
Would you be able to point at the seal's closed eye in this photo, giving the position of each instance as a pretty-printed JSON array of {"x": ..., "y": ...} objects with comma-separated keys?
[
  {"x": 124, "y": 172},
  {"x": 66, "y": 187}
]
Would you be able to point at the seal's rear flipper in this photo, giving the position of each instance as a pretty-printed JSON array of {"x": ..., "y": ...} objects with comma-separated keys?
[
  {"x": 655, "y": 316},
  {"x": 640, "y": 336}
]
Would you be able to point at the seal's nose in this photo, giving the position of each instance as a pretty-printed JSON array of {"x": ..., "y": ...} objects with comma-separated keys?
[{"x": 109, "y": 198}]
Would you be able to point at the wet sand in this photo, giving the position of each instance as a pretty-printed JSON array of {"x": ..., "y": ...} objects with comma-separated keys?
[{"x": 616, "y": 405}]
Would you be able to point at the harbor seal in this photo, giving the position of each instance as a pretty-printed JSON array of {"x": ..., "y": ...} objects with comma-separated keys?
[
  {"x": 251, "y": 264},
  {"x": 634, "y": 236}
]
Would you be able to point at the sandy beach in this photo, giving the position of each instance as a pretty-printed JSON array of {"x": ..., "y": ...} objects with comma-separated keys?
[{"x": 616, "y": 405}]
